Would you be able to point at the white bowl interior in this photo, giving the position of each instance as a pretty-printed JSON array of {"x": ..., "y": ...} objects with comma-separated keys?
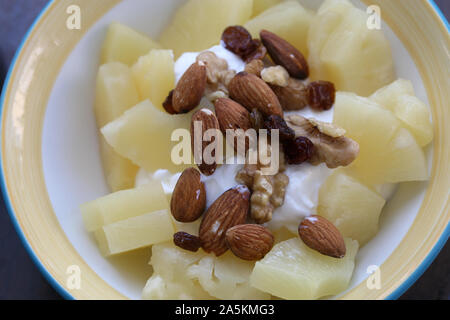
[{"x": 72, "y": 166}]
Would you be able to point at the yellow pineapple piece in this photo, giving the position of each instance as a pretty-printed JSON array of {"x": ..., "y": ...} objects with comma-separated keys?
[
  {"x": 387, "y": 154},
  {"x": 199, "y": 24},
  {"x": 115, "y": 93},
  {"x": 122, "y": 205},
  {"x": 351, "y": 206},
  {"x": 143, "y": 135},
  {"x": 291, "y": 270},
  {"x": 262, "y": 5},
  {"x": 154, "y": 76},
  {"x": 387, "y": 96},
  {"x": 126, "y": 45},
  {"x": 226, "y": 277},
  {"x": 158, "y": 288},
  {"x": 344, "y": 51},
  {"x": 415, "y": 117},
  {"x": 136, "y": 232},
  {"x": 289, "y": 20}
]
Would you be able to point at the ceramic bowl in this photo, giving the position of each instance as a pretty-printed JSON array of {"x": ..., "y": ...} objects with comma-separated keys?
[{"x": 50, "y": 160}]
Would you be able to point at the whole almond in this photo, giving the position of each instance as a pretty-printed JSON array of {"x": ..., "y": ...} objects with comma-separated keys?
[
  {"x": 190, "y": 88},
  {"x": 229, "y": 210},
  {"x": 231, "y": 115},
  {"x": 321, "y": 235},
  {"x": 252, "y": 92},
  {"x": 202, "y": 121},
  {"x": 285, "y": 54},
  {"x": 249, "y": 241},
  {"x": 189, "y": 197},
  {"x": 294, "y": 96}
]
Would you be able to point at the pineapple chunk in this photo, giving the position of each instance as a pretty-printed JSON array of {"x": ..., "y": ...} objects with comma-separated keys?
[
  {"x": 387, "y": 154},
  {"x": 157, "y": 288},
  {"x": 115, "y": 93},
  {"x": 343, "y": 50},
  {"x": 372, "y": 127},
  {"x": 294, "y": 27},
  {"x": 154, "y": 76},
  {"x": 262, "y": 5},
  {"x": 399, "y": 97},
  {"x": 351, "y": 206},
  {"x": 387, "y": 96},
  {"x": 406, "y": 160},
  {"x": 126, "y": 45},
  {"x": 122, "y": 205},
  {"x": 199, "y": 24},
  {"x": 415, "y": 117},
  {"x": 134, "y": 233},
  {"x": 291, "y": 270},
  {"x": 143, "y": 135},
  {"x": 226, "y": 277}
]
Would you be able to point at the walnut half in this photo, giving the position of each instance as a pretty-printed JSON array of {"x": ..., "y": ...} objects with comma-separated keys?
[{"x": 331, "y": 147}]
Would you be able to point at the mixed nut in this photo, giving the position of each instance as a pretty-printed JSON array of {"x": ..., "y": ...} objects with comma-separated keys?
[{"x": 255, "y": 98}]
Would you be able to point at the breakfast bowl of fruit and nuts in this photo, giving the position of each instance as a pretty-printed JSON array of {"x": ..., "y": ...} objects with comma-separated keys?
[{"x": 234, "y": 150}]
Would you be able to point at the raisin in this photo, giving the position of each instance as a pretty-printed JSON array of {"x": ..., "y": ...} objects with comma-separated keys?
[
  {"x": 298, "y": 150},
  {"x": 321, "y": 95},
  {"x": 187, "y": 241},
  {"x": 167, "y": 104},
  {"x": 257, "y": 119},
  {"x": 238, "y": 40},
  {"x": 274, "y": 122}
]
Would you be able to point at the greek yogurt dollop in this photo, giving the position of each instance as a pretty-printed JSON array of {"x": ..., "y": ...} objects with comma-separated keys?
[{"x": 305, "y": 180}]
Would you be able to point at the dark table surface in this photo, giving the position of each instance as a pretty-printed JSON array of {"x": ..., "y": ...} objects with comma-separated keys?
[{"x": 19, "y": 277}]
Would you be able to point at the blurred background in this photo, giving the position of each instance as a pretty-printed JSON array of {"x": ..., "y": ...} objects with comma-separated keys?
[{"x": 19, "y": 277}]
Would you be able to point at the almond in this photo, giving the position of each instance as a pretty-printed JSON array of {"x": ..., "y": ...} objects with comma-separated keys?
[
  {"x": 252, "y": 92},
  {"x": 285, "y": 54},
  {"x": 168, "y": 104},
  {"x": 231, "y": 115},
  {"x": 249, "y": 241},
  {"x": 321, "y": 235},
  {"x": 190, "y": 88},
  {"x": 189, "y": 197},
  {"x": 202, "y": 121},
  {"x": 229, "y": 210}
]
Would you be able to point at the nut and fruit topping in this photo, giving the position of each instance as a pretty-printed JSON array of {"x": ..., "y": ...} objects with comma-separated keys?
[
  {"x": 294, "y": 96},
  {"x": 189, "y": 197},
  {"x": 190, "y": 89},
  {"x": 187, "y": 241},
  {"x": 249, "y": 241},
  {"x": 205, "y": 119},
  {"x": 277, "y": 76},
  {"x": 252, "y": 92},
  {"x": 256, "y": 119},
  {"x": 275, "y": 122},
  {"x": 285, "y": 54},
  {"x": 321, "y": 95},
  {"x": 330, "y": 146},
  {"x": 321, "y": 235},
  {"x": 298, "y": 150},
  {"x": 239, "y": 41},
  {"x": 229, "y": 210}
]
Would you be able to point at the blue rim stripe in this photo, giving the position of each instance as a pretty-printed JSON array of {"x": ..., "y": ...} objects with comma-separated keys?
[
  {"x": 55, "y": 284},
  {"x": 66, "y": 295}
]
